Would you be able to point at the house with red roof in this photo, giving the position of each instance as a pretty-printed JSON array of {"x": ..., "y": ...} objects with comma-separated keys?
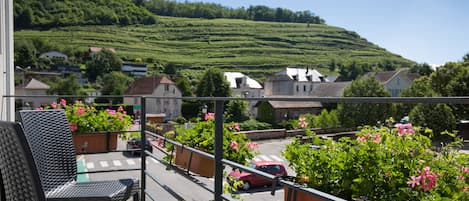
[{"x": 161, "y": 89}]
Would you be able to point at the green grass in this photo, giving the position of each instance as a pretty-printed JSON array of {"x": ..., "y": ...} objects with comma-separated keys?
[{"x": 256, "y": 48}]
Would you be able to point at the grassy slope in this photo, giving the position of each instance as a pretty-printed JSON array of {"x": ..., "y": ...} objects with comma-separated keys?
[{"x": 237, "y": 45}]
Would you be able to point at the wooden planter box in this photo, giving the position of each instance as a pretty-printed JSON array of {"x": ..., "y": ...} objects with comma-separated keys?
[
  {"x": 300, "y": 195},
  {"x": 199, "y": 164},
  {"x": 94, "y": 142}
]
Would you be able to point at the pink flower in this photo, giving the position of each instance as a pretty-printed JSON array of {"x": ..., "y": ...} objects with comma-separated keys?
[
  {"x": 234, "y": 145},
  {"x": 462, "y": 178},
  {"x": 367, "y": 135},
  {"x": 54, "y": 105},
  {"x": 237, "y": 127},
  {"x": 377, "y": 138},
  {"x": 465, "y": 169},
  {"x": 73, "y": 127},
  {"x": 111, "y": 112},
  {"x": 120, "y": 109},
  {"x": 361, "y": 139},
  {"x": 63, "y": 102},
  {"x": 414, "y": 181},
  {"x": 252, "y": 145},
  {"x": 209, "y": 115},
  {"x": 427, "y": 179},
  {"x": 39, "y": 108},
  {"x": 302, "y": 122},
  {"x": 80, "y": 111},
  {"x": 404, "y": 129}
]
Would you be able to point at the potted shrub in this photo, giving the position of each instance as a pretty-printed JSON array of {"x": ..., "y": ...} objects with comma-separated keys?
[
  {"x": 382, "y": 163},
  {"x": 236, "y": 147},
  {"x": 93, "y": 130}
]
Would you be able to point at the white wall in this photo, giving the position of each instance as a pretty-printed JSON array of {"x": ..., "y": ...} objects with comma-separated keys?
[{"x": 6, "y": 60}]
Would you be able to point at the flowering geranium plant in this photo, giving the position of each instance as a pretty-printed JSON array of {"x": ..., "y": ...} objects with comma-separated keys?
[
  {"x": 382, "y": 163},
  {"x": 236, "y": 147},
  {"x": 87, "y": 119}
]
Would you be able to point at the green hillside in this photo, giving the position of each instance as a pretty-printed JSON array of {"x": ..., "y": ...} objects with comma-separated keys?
[{"x": 254, "y": 47}]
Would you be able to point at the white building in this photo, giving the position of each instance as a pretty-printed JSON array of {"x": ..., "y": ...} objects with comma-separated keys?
[
  {"x": 34, "y": 88},
  {"x": 293, "y": 82},
  {"x": 156, "y": 86},
  {"x": 54, "y": 55},
  {"x": 245, "y": 86}
]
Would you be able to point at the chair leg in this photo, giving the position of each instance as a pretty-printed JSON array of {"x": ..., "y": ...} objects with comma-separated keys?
[{"x": 136, "y": 197}]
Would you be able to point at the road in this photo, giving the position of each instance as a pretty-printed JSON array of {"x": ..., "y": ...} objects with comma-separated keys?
[{"x": 173, "y": 186}]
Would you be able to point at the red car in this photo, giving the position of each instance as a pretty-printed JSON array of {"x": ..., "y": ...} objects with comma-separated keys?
[{"x": 251, "y": 180}]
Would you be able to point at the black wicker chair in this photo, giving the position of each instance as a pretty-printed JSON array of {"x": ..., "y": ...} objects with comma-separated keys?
[
  {"x": 50, "y": 139},
  {"x": 19, "y": 178}
]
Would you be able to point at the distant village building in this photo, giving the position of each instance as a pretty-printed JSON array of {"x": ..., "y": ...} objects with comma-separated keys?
[
  {"x": 33, "y": 87},
  {"x": 94, "y": 50},
  {"x": 278, "y": 111},
  {"x": 293, "y": 82},
  {"x": 246, "y": 87},
  {"x": 67, "y": 70},
  {"x": 159, "y": 86},
  {"x": 330, "y": 89},
  {"x": 395, "y": 81},
  {"x": 136, "y": 70},
  {"x": 54, "y": 55}
]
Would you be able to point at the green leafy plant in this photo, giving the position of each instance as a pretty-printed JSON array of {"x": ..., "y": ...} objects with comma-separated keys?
[
  {"x": 382, "y": 163},
  {"x": 236, "y": 147},
  {"x": 87, "y": 119}
]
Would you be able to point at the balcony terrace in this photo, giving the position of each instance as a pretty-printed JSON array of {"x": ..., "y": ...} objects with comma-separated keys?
[{"x": 163, "y": 180}]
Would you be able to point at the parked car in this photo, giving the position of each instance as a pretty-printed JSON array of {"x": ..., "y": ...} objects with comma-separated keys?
[
  {"x": 252, "y": 180},
  {"x": 136, "y": 143}
]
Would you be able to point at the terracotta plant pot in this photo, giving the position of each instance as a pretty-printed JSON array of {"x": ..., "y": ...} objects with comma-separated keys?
[
  {"x": 199, "y": 164},
  {"x": 300, "y": 195},
  {"x": 94, "y": 142}
]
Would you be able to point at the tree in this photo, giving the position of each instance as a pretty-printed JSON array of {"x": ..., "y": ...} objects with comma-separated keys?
[
  {"x": 452, "y": 79},
  {"x": 237, "y": 111},
  {"x": 213, "y": 84},
  {"x": 438, "y": 117},
  {"x": 115, "y": 83},
  {"x": 357, "y": 114},
  {"x": 102, "y": 62},
  {"x": 182, "y": 83},
  {"x": 465, "y": 58},
  {"x": 422, "y": 69},
  {"x": 67, "y": 86},
  {"x": 421, "y": 87}
]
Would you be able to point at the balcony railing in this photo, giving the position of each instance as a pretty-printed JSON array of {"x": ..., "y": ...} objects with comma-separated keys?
[{"x": 218, "y": 155}]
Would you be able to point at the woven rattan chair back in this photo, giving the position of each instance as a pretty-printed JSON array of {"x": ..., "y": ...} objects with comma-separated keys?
[
  {"x": 19, "y": 175},
  {"x": 50, "y": 139}
]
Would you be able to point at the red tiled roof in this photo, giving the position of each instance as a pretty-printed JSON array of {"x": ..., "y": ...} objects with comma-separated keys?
[{"x": 146, "y": 85}]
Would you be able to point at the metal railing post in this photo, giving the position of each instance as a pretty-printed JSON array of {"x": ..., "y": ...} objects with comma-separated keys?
[
  {"x": 218, "y": 150},
  {"x": 143, "y": 126}
]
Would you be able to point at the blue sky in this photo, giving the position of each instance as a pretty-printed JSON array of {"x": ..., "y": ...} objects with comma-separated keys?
[{"x": 431, "y": 31}]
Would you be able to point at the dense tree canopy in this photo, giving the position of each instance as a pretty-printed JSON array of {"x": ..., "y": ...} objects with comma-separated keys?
[
  {"x": 213, "y": 84},
  {"x": 212, "y": 10},
  {"x": 67, "y": 86},
  {"x": 53, "y": 13},
  {"x": 357, "y": 114},
  {"x": 101, "y": 63}
]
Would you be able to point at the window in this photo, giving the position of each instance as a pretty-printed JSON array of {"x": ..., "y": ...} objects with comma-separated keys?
[
  {"x": 304, "y": 87},
  {"x": 297, "y": 88},
  {"x": 166, "y": 87},
  {"x": 273, "y": 168}
]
